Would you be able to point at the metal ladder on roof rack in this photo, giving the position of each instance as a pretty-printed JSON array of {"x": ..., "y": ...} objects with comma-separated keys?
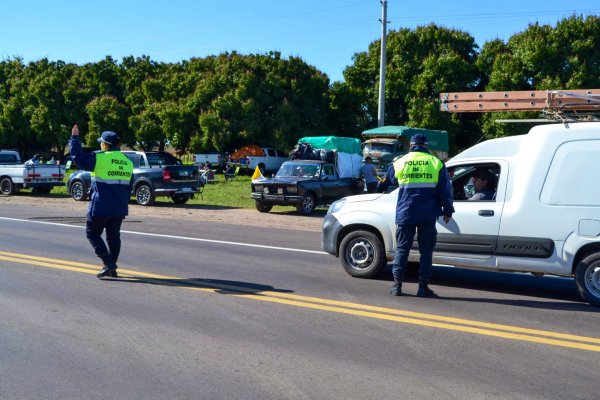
[{"x": 554, "y": 105}]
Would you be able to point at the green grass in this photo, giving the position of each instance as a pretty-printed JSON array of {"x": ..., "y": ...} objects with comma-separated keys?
[{"x": 233, "y": 193}]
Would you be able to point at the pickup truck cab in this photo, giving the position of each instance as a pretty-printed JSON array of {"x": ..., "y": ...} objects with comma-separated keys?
[
  {"x": 265, "y": 158},
  {"x": 544, "y": 217},
  {"x": 305, "y": 184},
  {"x": 15, "y": 175},
  {"x": 154, "y": 174}
]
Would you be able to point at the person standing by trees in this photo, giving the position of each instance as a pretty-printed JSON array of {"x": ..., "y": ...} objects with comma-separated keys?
[
  {"x": 112, "y": 173},
  {"x": 424, "y": 194}
]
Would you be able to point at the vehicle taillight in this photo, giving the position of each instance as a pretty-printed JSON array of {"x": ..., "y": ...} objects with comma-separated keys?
[{"x": 166, "y": 176}]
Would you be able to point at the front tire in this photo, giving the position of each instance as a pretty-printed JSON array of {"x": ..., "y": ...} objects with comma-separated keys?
[
  {"x": 263, "y": 207},
  {"x": 307, "y": 204},
  {"x": 7, "y": 187},
  {"x": 362, "y": 254},
  {"x": 78, "y": 191},
  {"x": 144, "y": 195},
  {"x": 587, "y": 278}
]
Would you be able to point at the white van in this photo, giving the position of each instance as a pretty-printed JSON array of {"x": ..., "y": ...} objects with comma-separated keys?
[{"x": 544, "y": 217}]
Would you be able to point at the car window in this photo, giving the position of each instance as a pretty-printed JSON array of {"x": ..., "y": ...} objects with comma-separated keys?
[
  {"x": 328, "y": 171},
  {"x": 8, "y": 158},
  {"x": 474, "y": 182},
  {"x": 131, "y": 158},
  {"x": 160, "y": 159},
  {"x": 298, "y": 170}
]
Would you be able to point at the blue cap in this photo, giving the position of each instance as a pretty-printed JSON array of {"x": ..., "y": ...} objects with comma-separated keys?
[
  {"x": 418, "y": 139},
  {"x": 110, "y": 138}
]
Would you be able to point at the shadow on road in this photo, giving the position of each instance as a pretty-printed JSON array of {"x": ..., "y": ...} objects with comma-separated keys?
[
  {"x": 561, "y": 290},
  {"x": 221, "y": 286}
]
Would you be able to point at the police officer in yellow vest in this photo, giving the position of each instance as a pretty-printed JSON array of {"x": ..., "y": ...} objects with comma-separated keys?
[
  {"x": 112, "y": 174},
  {"x": 425, "y": 194}
]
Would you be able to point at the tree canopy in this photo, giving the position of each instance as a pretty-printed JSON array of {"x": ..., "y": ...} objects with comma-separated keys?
[{"x": 230, "y": 100}]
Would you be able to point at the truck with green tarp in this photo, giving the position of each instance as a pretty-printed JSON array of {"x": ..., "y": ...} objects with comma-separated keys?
[
  {"x": 321, "y": 170},
  {"x": 386, "y": 143}
]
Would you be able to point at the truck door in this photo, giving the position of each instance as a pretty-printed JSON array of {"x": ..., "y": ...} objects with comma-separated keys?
[
  {"x": 330, "y": 184},
  {"x": 474, "y": 228}
]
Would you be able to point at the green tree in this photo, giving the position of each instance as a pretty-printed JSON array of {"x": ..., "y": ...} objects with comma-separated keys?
[
  {"x": 542, "y": 58},
  {"x": 106, "y": 113},
  {"x": 421, "y": 63}
]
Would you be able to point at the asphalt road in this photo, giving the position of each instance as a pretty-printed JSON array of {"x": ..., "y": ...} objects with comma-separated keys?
[{"x": 217, "y": 311}]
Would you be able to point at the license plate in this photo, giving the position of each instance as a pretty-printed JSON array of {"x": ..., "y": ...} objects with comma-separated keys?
[
  {"x": 187, "y": 190},
  {"x": 279, "y": 190}
]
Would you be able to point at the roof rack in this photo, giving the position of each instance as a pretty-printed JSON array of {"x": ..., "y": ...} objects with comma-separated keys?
[{"x": 559, "y": 105}]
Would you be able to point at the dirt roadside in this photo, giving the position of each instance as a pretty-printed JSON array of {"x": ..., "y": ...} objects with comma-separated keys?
[{"x": 285, "y": 218}]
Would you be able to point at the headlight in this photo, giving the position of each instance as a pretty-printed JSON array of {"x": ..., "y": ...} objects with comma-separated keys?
[
  {"x": 336, "y": 206},
  {"x": 292, "y": 189},
  {"x": 258, "y": 188}
]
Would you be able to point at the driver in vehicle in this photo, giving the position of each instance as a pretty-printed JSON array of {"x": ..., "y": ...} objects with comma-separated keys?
[{"x": 485, "y": 183}]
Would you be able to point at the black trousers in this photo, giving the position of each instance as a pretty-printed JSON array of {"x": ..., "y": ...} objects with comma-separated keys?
[
  {"x": 426, "y": 237},
  {"x": 93, "y": 231},
  {"x": 372, "y": 187}
]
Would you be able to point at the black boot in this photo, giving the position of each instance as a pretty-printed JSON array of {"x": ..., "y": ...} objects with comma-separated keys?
[
  {"x": 396, "y": 290},
  {"x": 109, "y": 269},
  {"x": 424, "y": 291}
]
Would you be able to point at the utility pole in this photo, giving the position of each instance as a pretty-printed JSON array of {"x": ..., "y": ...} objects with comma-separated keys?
[{"x": 384, "y": 22}]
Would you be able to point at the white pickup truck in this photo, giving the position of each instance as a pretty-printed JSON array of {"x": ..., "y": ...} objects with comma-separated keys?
[
  {"x": 214, "y": 159},
  {"x": 543, "y": 219},
  {"x": 15, "y": 175}
]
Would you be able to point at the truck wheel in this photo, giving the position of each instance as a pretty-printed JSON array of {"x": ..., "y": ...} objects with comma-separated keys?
[
  {"x": 180, "y": 198},
  {"x": 6, "y": 186},
  {"x": 362, "y": 254},
  {"x": 587, "y": 278},
  {"x": 306, "y": 205},
  {"x": 78, "y": 191},
  {"x": 263, "y": 207},
  {"x": 144, "y": 195}
]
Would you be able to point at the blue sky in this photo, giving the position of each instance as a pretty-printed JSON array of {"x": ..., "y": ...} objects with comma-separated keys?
[{"x": 325, "y": 33}]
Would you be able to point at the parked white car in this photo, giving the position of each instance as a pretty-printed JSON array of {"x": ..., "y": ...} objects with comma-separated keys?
[{"x": 544, "y": 219}]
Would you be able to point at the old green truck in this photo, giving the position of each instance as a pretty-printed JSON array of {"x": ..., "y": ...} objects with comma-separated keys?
[{"x": 385, "y": 143}]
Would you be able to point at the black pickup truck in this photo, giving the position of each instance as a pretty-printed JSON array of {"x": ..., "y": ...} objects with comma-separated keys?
[
  {"x": 305, "y": 184},
  {"x": 154, "y": 174}
]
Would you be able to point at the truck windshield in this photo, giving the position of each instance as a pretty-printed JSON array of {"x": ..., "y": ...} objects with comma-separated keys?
[
  {"x": 378, "y": 149},
  {"x": 298, "y": 170}
]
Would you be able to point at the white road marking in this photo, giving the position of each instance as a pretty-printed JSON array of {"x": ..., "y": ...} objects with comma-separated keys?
[{"x": 176, "y": 237}]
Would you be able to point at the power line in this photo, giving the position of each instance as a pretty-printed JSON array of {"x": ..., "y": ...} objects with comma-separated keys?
[{"x": 499, "y": 15}]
